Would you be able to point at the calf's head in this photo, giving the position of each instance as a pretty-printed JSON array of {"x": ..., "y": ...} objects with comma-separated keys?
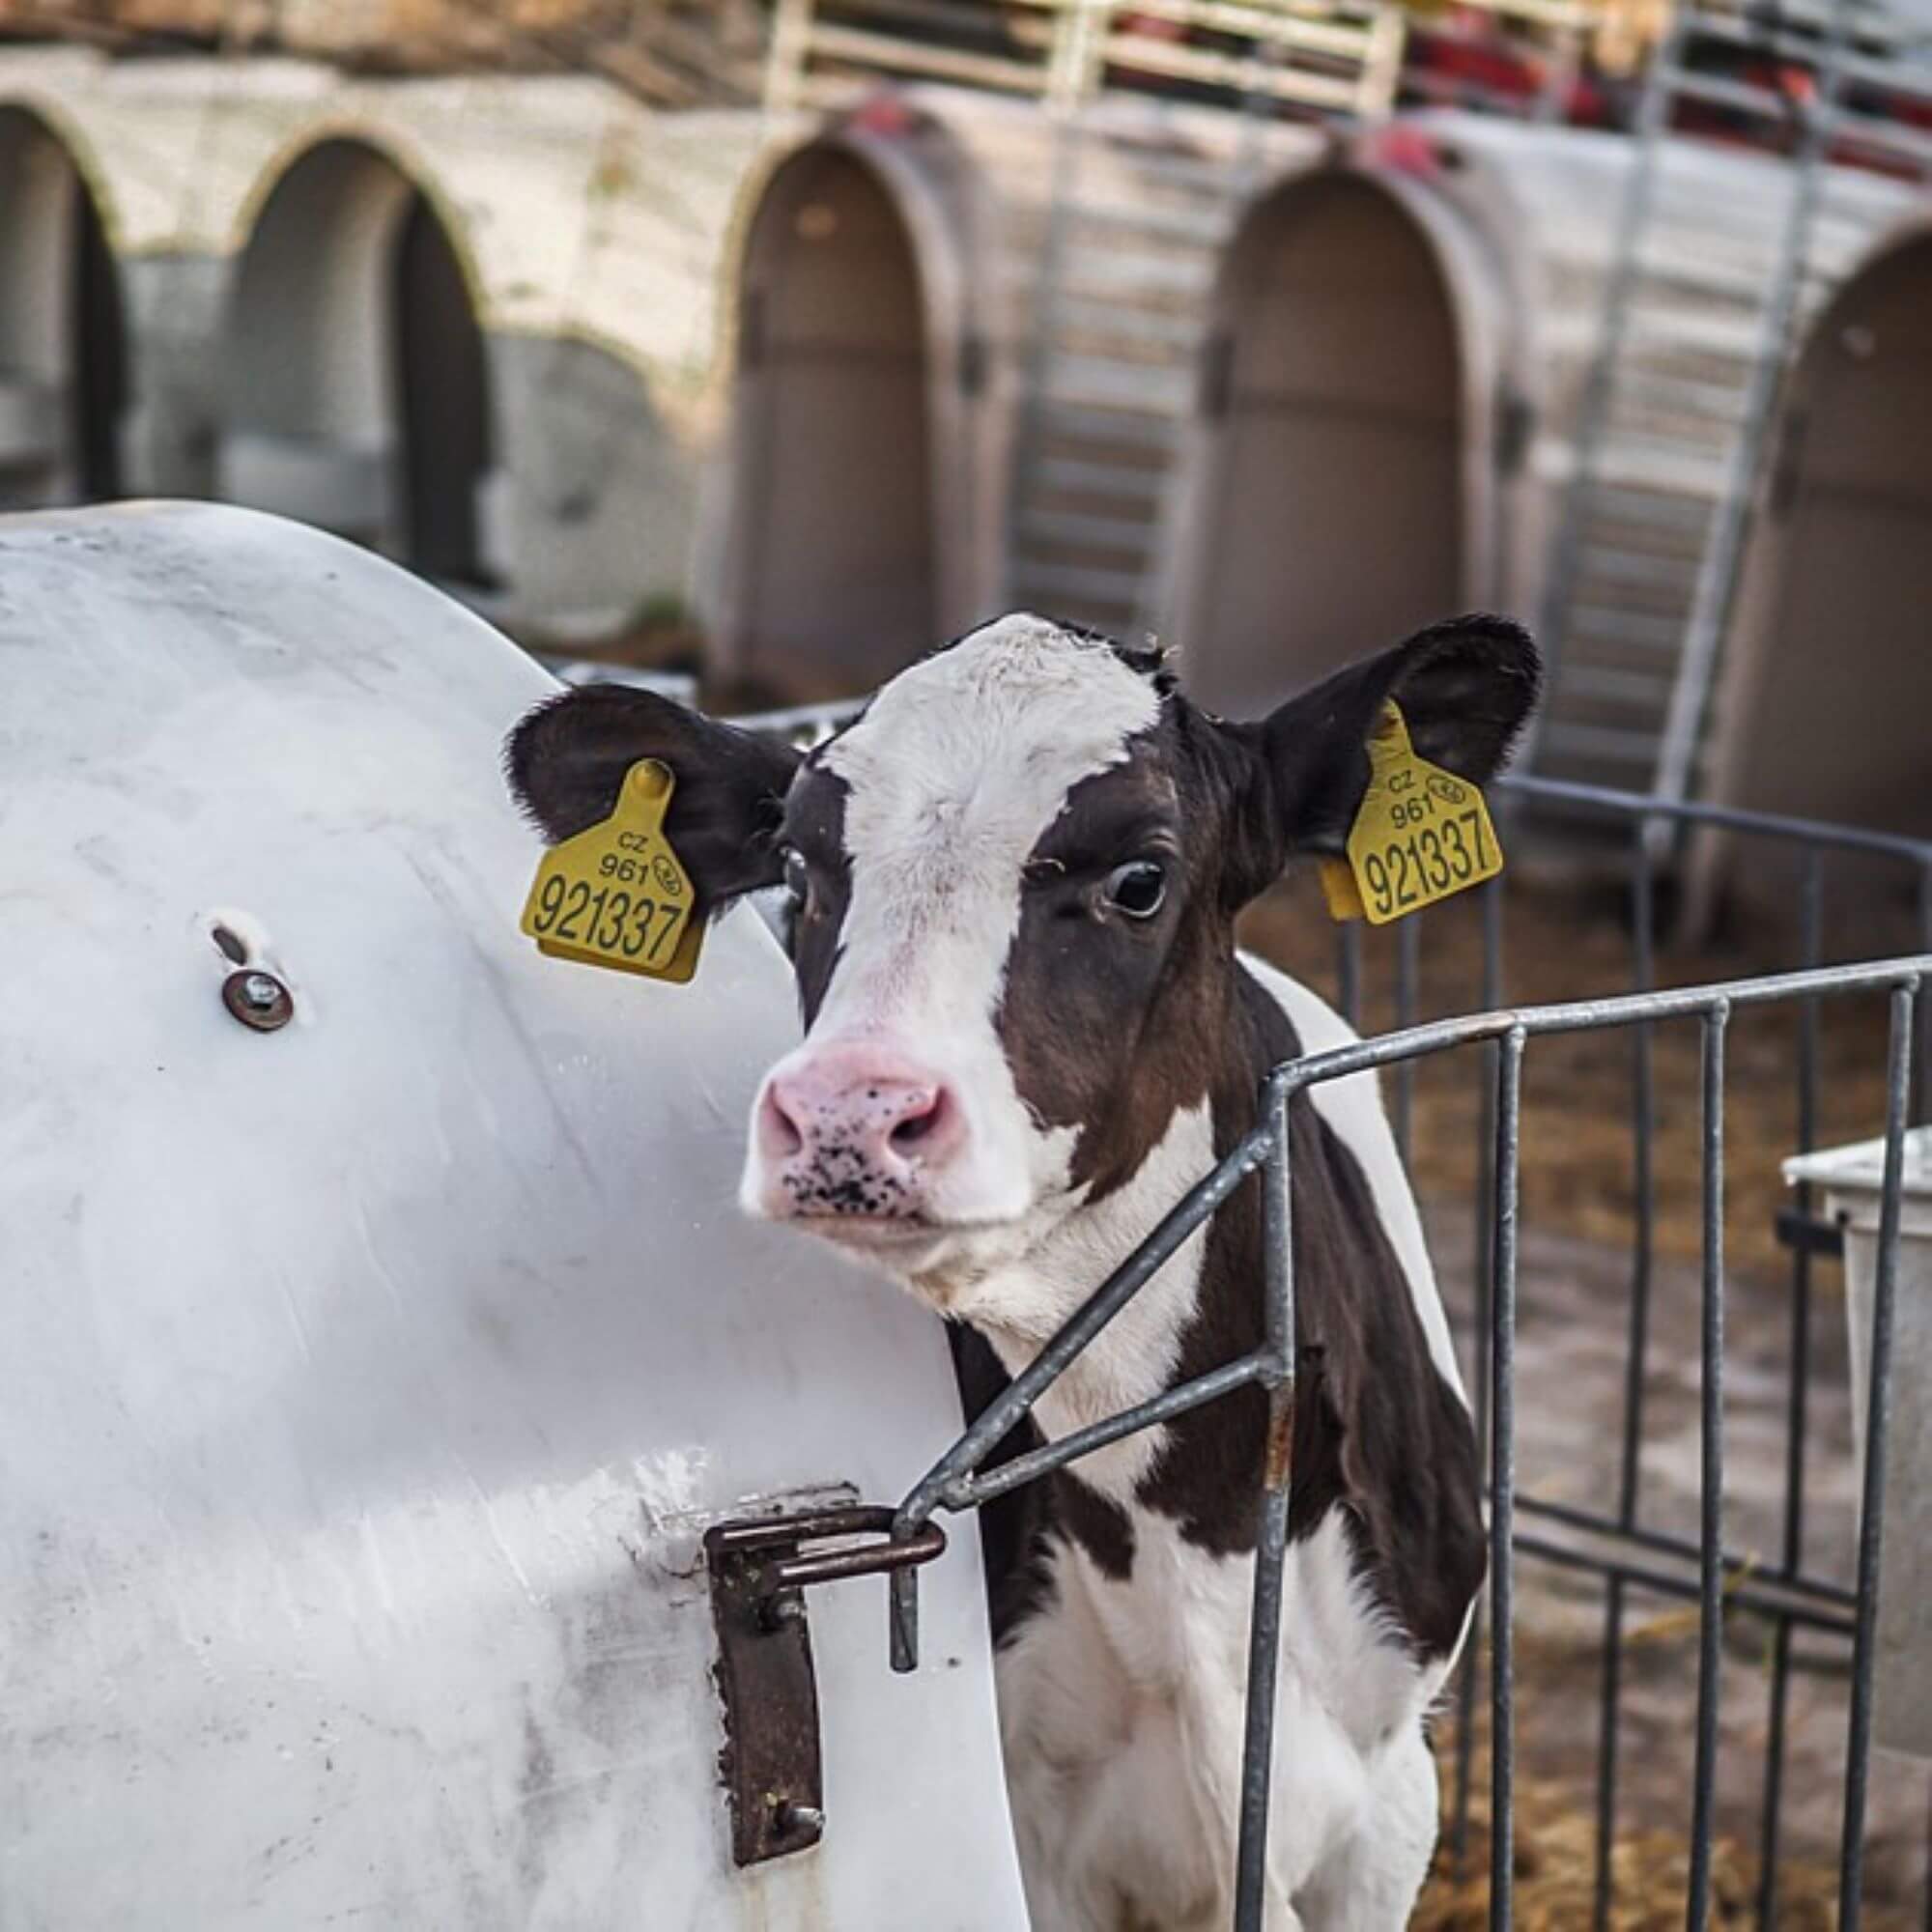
[{"x": 1011, "y": 891}]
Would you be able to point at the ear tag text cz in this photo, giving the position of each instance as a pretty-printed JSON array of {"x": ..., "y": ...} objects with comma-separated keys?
[
  {"x": 615, "y": 894},
  {"x": 1421, "y": 835}
]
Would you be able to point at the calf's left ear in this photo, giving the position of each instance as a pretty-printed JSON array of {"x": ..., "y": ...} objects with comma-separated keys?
[
  {"x": 566, "y": 761},
  {"x": 1465, "y": 687}
]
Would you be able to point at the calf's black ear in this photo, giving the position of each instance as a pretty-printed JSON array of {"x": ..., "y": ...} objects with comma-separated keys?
[
  {"x": 566, "y": 760},
  {"x": 1466, "y": 686}
]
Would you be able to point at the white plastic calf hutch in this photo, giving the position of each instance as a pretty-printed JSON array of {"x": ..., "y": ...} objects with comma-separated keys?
[
  {"x": 1393, "y": 390},
  {"x": 1827, "y": 684},
  {"x": 909, "y": 453},
  {"x": 380, "y": 1332}
]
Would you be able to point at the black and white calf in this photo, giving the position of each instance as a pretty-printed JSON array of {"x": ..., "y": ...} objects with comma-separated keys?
[{"x": 1014, "y": 884}]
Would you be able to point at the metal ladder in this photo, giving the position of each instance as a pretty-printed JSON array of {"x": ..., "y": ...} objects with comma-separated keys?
[
  {"x": 1139, "y": 201},
  {"x": 1676, "y": 419},
  {"x": 1137, "y": 222}
]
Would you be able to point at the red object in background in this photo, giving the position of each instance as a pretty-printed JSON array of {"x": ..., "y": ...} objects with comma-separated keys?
[
  {"x": 1475, "y": 58},
  {"x": 1402, "y": 150},
  {"x": 1476, "y": 63},
  {"x": 1153, "y": 26},
  {"x": 882, "y": 114}
]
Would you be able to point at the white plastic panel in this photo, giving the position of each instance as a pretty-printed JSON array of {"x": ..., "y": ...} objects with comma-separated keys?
[{"x": 365, "y": 1385}]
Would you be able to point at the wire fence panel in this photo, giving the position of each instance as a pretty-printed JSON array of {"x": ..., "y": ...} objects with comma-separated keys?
[
  {"x": 1613, "y": 1542},
  {"x": 953, "y": 1482}
]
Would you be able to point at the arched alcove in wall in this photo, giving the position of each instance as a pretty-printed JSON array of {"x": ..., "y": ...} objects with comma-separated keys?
[
  {"x": 1325, "y": 513},
  {"x": 1828, "y": 689},
  {"x": 833, "y": 540},
  {"x": 63, "y": 358},
  {"x": 359, "y": 393}
]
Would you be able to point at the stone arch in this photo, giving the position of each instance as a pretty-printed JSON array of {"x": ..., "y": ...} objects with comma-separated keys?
[
  {"x": 64, "y": 388},
  {"x": 359, "y": 391}
]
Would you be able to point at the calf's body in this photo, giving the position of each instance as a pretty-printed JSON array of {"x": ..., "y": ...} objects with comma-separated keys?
[
  {"x": 1124, "y": 1591},
  {"x": 1012, "y": 885}
]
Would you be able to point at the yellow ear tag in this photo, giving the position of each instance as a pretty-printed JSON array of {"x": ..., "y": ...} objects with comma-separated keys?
[
  {"x": 615, "y": 894},
  {"x": 1422, "y": 834}
]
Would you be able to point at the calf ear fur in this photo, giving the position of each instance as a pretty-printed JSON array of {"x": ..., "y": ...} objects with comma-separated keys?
[
  {"x": 565, "y": 764},
  {"x": 1466, "y": 687}
]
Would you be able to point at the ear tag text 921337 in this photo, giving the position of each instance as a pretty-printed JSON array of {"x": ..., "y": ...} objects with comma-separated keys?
[
  {"x": 615, "y": 894},
  {"x": 1421, "y": 835}
]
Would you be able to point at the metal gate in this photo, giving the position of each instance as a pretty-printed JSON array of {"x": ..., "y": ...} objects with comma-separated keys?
[{"x": 1613, "y": 1544}]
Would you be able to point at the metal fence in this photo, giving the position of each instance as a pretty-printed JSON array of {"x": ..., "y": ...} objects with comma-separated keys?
[{"x": 1615, "y": 1544}]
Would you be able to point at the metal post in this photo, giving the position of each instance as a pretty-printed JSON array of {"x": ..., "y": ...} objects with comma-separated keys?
[
  {"x": 1878, "y": 1418},
  {"x": 1644, "y": 1240},
  {"x": 1730, "y": 525},
  {"x": 1593, "y": 417},
  {"x": 1502, "y": 1488},
  {"x": 1711, "y": 1494},
  {"x": 1792, "y": 1551},
  {"x": 1348, "y": 972},
  {"x": 1922, "y": 1057},
  {"x": 1492, "y": 895},
  {"x": 1407, "y": 971},
  {"x": 786, "y": 56},
  {"x": 1271, "y": 1538}
]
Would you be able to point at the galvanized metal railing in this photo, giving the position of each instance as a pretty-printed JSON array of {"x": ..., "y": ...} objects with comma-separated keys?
[
  {"x": 956, "y": 1481},
  {"x": 1614, "y": 1544}
]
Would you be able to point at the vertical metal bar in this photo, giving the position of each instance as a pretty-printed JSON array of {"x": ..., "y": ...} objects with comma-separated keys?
[
  {"x": 1070, "y": 85},
  {"x": 1492, "y": 998},
  {"x": 1493, "y": 944},
  {"x": 1922, "y": 1057},
  {"x": 1791, "y": 1554},
  {"x": 903, "y": 1620},
  {"x": 1927, "y": 1920},
  {"x": 1878, "y": 1417},
  {"x": 1349, "y": 983},
  {"x": 1407, "y": 971},
  {"x": 1502, "y": 1488},
  {"x": 1637, "y": 1352},
  {"x": 1651, "y": 125},
  {"x": 1711, "y": 1496},
  {"x": 787, "y": 55},
  {"x": 1721, "y": 563},
  {"x": 1271, "y": 1540}
]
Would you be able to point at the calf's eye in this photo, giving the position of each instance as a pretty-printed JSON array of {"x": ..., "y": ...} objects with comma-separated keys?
[{"x": 1137, "y": 888}]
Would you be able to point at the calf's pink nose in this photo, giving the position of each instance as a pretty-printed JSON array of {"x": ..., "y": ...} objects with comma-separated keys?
[{"x": 856, "y": 1130}]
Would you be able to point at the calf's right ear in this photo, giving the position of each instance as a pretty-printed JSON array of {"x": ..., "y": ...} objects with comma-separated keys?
[{"x": 566, "y": 762}]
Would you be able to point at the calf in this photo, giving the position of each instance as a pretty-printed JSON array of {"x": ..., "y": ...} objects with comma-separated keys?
[{"x": 1012, "y": 890}]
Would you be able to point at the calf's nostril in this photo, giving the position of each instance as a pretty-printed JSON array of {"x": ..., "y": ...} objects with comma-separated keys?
[
  {"x": 782, "y": 1132},
  {"x": 918, "y": 1127}
]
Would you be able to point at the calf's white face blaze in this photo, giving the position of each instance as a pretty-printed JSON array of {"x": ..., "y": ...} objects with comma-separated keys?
[{"x": 950, "y": 780}]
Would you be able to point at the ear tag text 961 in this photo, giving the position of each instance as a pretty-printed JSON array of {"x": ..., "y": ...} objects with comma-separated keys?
[
  {"x": 615, "y": 894},
  {"x": 1421, "y": 835}
]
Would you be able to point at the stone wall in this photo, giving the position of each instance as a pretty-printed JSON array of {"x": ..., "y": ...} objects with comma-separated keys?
[{"x": 591, "y": 234}]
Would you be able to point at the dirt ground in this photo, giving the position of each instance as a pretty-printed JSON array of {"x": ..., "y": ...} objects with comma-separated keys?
[
  {"x": 1569, "y": 1371},
  {"x": 1578, "y": 1190}
]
